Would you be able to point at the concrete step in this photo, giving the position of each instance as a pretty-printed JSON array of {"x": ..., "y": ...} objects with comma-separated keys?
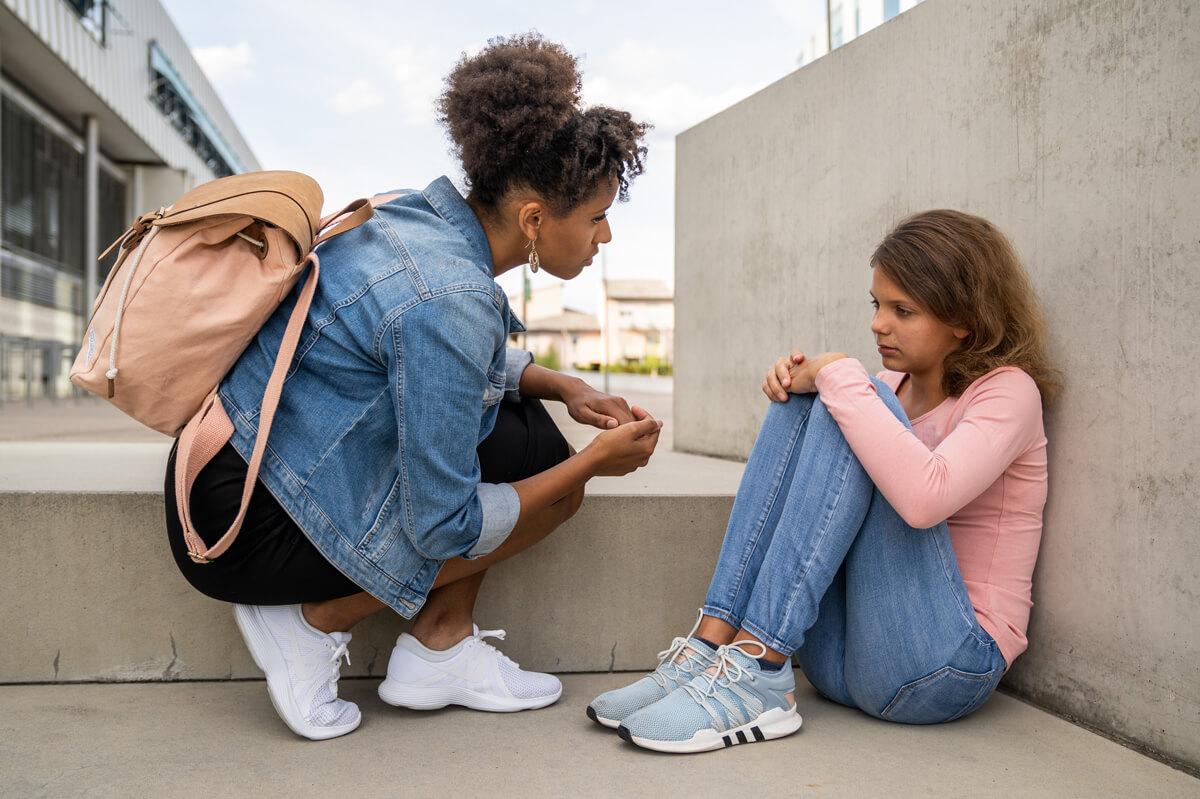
[
  {"x": 93, "y": 594},
  {"x": 224, "y": 739}
]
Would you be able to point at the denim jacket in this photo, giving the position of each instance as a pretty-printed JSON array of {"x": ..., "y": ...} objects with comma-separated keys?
[{"x": 395, "y": 382}]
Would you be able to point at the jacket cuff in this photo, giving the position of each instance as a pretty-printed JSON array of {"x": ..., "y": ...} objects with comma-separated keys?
[
  {"x": 515, "y": 362},
  {"x": 501, "y": 507}
]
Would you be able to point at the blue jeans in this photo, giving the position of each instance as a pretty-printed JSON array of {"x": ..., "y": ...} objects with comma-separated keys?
[{"x": 816, "y": 562}]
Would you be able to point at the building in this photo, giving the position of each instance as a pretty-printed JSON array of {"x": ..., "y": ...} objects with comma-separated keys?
[
  {"x": 846, "y": 20},
  {"x": 105, "y": 115},
  {"x": 634, "y": 329},
  {"x": 637, "y": 319},
  {"x": 556, "y": 335},
  {"x": 568, "y": 340}
]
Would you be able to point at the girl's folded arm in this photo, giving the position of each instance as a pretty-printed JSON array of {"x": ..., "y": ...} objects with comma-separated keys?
[{"x": 926, "y": 487}]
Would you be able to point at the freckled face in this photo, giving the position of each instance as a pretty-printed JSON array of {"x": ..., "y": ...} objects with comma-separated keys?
[
  {"x": 568, "y": 244},
  {"x": 909, "y": 338}
]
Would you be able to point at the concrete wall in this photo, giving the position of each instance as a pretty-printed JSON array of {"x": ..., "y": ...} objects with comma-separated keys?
[
  {"x": 1074, "y": 125},
  {"x": 93, "y": 594}
]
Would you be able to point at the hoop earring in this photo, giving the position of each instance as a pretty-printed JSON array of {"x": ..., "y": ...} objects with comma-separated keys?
[{"x": 534, "y": 260}]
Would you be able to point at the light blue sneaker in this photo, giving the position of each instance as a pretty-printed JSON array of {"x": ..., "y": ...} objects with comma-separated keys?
[
  {"x": 733, "y": 702},
  {"x": 678, "y": 664}
]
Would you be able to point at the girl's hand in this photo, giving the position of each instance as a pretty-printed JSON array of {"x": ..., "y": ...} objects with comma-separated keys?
[
  {"x": 778, "y": 381},
  {"x": 796, "y": 374},
  {"x": 622, "y": 449},
  {"x": 589, "y": 406}
]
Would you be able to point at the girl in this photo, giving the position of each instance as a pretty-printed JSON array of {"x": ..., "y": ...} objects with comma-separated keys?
[
  {"x": 892, "y": 557},
  {"x": 410, "y": 451}
]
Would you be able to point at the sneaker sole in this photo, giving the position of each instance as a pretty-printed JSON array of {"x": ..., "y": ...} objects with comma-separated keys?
[
  {"x": 437, "y": 697},
  {"x": 612, "y": 724},
  {"x": 774, "y": 723},
  {"x": 279, "y": 688}
]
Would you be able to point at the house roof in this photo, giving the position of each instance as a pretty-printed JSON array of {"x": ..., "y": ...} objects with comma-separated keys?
[
  {"x": 567, "y": 321},
  {"x": 638, "y": 290}
]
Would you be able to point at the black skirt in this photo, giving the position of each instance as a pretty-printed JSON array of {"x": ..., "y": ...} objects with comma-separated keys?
[{"x": 272, "y": 562}]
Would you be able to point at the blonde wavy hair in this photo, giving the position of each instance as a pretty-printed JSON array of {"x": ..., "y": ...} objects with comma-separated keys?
[{"x": 965, "y": 272}]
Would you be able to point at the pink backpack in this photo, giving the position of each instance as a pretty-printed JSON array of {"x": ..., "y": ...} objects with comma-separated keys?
[{"x": 192, "y": 286}]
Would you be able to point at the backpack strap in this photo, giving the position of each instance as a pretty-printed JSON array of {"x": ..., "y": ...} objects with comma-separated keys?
[
  {"x": 350, "y": 217},
  {"x": 210, "y": 429}
]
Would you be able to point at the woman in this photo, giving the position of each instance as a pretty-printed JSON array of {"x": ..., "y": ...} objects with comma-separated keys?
[
  {"x": 409, "y": 452},
  {"x": 893, "y": 558}
]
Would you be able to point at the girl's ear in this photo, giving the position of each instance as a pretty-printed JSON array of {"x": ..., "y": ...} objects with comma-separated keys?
[{"x": 960, "y": 333}]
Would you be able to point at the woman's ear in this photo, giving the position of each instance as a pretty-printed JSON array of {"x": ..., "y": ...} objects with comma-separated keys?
[
  {"x": 529, "y": 218},
  {"x": 960, "y": 333}
]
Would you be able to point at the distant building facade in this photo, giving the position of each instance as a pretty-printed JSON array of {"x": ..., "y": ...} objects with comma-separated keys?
[
  {"x": 847, "y": 20},
  {"x": 105, "y": 115},
  {"x": 637, "y": 319},
  {"x": 634, "y": 328}
]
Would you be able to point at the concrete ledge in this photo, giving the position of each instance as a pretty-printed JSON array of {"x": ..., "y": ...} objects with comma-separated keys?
[{"x": 93, "y": 593}]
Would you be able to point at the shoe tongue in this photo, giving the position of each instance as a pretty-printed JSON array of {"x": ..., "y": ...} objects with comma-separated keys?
[{"x": 340, "y": 638}]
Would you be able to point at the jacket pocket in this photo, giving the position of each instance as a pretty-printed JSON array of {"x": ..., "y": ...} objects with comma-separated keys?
[{"x": 945, "y": 695}]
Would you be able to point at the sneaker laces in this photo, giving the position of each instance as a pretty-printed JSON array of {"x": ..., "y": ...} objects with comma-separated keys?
[
  {"x": 342, "y": 651},
  {"x": 324, "y": 705},
  {"x": 499, "y": 636},
  {"x": 724, "y": 668},
  {"x": 668, "y": 655},
  {"x": 335, "y": 669}
]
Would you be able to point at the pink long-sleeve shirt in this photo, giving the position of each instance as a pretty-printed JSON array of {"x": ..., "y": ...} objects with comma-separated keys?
[{"x": 976, "y": 461}]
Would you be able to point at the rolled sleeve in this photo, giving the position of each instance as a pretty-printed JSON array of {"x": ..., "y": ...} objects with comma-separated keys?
[
  {"x": 515, "y": 362},
  {"x": 501, "y": 506}
]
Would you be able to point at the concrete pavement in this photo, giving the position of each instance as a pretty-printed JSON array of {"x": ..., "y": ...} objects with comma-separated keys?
[{"x": 224, "y": 739}]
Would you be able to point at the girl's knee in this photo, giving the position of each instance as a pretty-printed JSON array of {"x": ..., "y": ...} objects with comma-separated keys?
[
  {"x": 791, "y": 413},
  {"x": 890, "y": 399}
]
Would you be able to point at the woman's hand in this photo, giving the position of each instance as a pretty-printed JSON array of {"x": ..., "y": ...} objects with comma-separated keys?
[
  {"x": 585, "y": 404},
  {"x": 796, "y": 374},
  {"x": 590, "y": 406},
  {"x": 619, "y": 450}
]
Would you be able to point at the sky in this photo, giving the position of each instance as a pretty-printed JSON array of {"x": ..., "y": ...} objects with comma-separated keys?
[{"x": 345, "y": 92}]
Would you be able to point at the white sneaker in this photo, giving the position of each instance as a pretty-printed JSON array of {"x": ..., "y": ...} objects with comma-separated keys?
[
  {"x": 470, "y": 673},
  {"x": 302, "y": 665}
]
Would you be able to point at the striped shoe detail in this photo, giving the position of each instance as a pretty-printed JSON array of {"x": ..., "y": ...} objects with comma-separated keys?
[{"x": 741, "y": 737}]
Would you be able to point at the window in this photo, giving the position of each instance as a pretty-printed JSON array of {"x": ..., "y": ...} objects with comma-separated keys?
[
  {"x": 173, "y": 98},
  {"x": 43, "y": 191},
  {"x": 93, "y": 15},
  {"x": 42, "y": 212},
  {"x": 890, "y": 8},
  {"x": 113, "y": 219}
]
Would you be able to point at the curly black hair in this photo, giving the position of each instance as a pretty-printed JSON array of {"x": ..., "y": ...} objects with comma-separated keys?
[{"x": 513, "y": 113}]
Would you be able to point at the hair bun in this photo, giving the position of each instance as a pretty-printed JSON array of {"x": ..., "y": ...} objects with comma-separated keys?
[{"x": 508, "y": 101}]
